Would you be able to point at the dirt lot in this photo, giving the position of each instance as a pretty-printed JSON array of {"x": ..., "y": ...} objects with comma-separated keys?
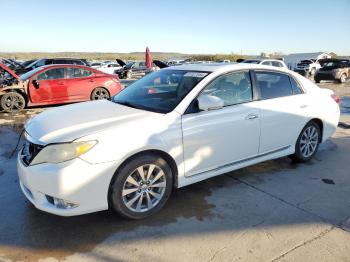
[{"x": 273, "y": 211}]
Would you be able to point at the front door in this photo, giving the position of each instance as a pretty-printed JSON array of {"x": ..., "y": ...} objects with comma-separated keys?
[
  {"x": 216, "y": 138},
  {"x": 50, "y": 87}
]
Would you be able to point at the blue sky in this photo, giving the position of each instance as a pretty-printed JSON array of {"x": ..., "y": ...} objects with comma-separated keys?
[{"x": 187, "y": 26}]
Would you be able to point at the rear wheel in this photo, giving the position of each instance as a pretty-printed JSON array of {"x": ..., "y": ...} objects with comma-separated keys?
[
  {"x": 141, "y": 187},
  {"x": 99, "y": 93},
  {"x": 307, "y": 143},
  {"x": 342, "y": 78},
  {"x": 12, "y": 102}
]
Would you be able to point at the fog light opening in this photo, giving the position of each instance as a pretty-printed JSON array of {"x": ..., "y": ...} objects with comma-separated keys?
[{"x": 60, "y": 203}]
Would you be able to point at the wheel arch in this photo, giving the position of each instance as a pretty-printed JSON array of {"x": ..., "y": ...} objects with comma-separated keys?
[
  {"x": 169, "y": 159},
  {"x": 320, "y": 125}
]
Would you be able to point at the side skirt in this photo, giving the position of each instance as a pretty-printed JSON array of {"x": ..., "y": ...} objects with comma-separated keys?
[{"x": 281, "y": 152}]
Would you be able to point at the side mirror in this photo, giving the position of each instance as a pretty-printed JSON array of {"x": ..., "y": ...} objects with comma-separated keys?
[
  {"x": 35, "y": 83},
  {"x": 207, "y": 102}
]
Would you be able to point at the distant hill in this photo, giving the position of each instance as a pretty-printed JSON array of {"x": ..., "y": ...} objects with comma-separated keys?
[{"x": 124, "y": 56}]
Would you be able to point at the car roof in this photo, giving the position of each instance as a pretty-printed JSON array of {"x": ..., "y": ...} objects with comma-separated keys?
[{"x": 224, "y": 67}]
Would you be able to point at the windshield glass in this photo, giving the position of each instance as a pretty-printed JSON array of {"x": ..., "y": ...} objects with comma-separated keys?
[
  {"x": 129, "y": 65},
  {"x": 160, "y": 91},
  {"x": 29, "y": 74},
  {"x": 251, "y": 61},
  {"x": 332, "y": 65}
]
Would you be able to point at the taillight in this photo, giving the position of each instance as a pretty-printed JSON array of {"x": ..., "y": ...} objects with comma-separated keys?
[{"x": 336, "y": 98}]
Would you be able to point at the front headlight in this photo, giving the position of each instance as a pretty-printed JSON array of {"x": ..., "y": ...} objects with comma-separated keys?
[{"x": 57, "y": 153}]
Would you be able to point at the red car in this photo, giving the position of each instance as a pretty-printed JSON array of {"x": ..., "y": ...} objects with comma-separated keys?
[{"x": 54, "y": 84}]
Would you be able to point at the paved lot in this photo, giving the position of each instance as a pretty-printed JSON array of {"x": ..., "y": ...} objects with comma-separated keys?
[{"x": 273, "y": 211}]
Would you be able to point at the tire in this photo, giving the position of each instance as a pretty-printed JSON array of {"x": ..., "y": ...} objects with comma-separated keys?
[
  {"x": 317, "y": 80},
  {"x": 12, "y": 102},
  {"x": 133, "y": 197},
  {"x": 100, "y": 93},
  {"x": 128, "y": 75},
  {"x": 342, "y": 79},
  {"x": 307, "y": 143}
]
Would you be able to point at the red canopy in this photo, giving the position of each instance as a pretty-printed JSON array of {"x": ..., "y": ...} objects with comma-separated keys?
[{"x": 148, "y": 59}]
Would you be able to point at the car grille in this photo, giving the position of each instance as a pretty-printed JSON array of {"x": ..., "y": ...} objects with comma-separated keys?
[{"x": 29, "y": 151}]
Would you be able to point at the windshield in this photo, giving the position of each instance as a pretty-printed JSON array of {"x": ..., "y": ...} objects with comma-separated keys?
[
  {"x": 332, "y": 65},
  {"x": 29, "y": 74},
  {"x": 307, "y": 62},
  {"x": 251, "y": 61},
  {"x": 160, "y": 91},
  {"x": 129, "y": 65}
]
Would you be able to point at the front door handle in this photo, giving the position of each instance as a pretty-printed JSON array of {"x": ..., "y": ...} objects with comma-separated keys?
[
  {"x": 303, "y": 106},
  {"x": 251, "y": 116}
]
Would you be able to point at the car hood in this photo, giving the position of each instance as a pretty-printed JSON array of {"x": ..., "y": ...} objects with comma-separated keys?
[
  {"x": 120, "y": 62},
  {"x": 8, "y": 70},
  {"x": 68, "y": 123},
  {"x": 160, "y": 64}
]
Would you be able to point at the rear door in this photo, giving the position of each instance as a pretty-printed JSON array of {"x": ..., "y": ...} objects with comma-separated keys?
[
  {"x": 51, "y": 87},
  {"x": 80, "y": 82},
  {"x": 283, "y": 108}
]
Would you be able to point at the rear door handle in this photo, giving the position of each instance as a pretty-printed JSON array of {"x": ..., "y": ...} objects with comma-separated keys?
[
  {"x": 303, "y": 106},
  {"x": 251, "y": 116}
]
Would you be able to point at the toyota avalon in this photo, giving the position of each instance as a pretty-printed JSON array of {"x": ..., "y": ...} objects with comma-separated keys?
[{"x": 172, "y": 128}]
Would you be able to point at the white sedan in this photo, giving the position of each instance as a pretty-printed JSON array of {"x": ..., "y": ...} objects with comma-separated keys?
[
  {"x": 108, "y": 68},
  {"x": 172, "y": 128}
]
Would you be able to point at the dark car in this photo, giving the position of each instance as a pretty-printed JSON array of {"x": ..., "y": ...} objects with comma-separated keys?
[
  {"x": 333, "y": 69},
  {"x": 50, "y": 61},
  {"x": 132, "y": 69}
]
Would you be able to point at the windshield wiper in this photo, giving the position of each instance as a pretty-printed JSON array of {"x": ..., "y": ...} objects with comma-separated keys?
[{"x": 126, "y": 103}]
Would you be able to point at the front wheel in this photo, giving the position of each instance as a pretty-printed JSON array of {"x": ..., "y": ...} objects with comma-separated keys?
[
  {"x": 307, "y": 143},
  {"x": 12, "y": 102},
  {"x": 141, "y": 187}
]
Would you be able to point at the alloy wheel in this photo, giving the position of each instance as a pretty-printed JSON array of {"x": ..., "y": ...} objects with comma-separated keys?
[
  {"x": 100, "y": 93},
  {"x": 342, "y": 78},
  {"x": 309, "y": 141},
  {"x": 12, "y": 102},
  {"x": 144, "y": 188}
]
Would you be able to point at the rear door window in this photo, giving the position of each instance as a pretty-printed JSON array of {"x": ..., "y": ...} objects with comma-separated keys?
[
  {"x": 77, "y": 72},
  {"x": 266, "y": 63},
  {"x": 273, "y": 84},
  {"x": 276, "y": 63}
]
